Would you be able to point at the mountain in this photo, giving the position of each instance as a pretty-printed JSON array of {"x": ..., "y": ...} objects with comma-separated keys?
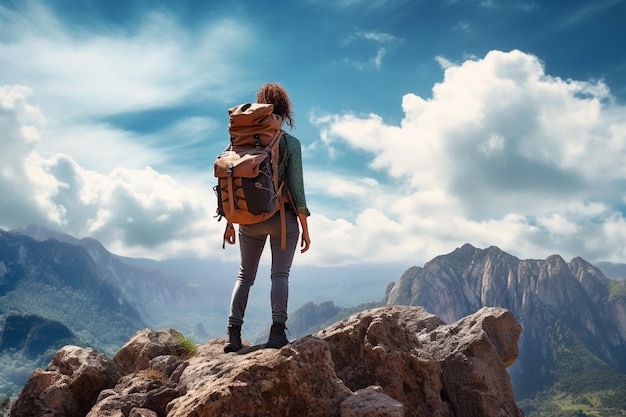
[
  {"x": 569, "y": 312},
  {"x": 31, "y": 335},
  {"x": 27, "y": 342},
  {"x": 62, "y": 282},
  {"x": 162, "y": 298}
]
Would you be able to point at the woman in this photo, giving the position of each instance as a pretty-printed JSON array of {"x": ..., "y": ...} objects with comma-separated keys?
[{"x": 252, "y": 237}]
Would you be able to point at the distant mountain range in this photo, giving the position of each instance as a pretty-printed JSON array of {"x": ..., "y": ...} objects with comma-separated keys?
[{"x": 574, "y": 317}]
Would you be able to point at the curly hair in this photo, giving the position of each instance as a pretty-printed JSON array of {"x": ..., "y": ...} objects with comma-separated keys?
[{"x": 276, "y": 94}]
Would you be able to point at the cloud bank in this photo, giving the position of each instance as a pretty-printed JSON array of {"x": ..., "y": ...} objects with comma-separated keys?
[
  {"x": 132, "y": 211},
  {"x": 501, "y": 154}
]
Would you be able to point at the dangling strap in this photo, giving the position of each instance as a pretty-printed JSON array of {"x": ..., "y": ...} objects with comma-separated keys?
[
  {"x": 283, "y": 219},
  {"x": 231, "y": 195},
  {"x": 225, "y": 231}
]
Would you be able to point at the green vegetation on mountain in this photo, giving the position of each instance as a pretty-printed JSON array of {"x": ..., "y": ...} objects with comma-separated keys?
[
  {"x": 86, "y": 310},
  {"x": 63, "y": 298},
  {"x": 583, "y": 384},
  {"x": 617, "y": 289}
]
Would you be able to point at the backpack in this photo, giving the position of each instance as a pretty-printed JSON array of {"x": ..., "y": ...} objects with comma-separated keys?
[{"x": 248, "y": 189}]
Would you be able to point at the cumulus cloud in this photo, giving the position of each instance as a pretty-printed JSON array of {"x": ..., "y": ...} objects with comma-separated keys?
[
  {"x": 137, "y": 212},
  {"x": 66, "y": 165},
  {"x": 19, "y": 124},
  {"x": 502, "y": 154}
]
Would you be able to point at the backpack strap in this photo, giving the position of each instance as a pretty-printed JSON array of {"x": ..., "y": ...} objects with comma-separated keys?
[
  {"x": 279, "y": 193},
  {"x": 283, "y": 220},
  {"x": 228, "y": 225}
]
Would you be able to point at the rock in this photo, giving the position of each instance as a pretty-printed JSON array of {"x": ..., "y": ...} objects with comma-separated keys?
[
  {"x": 69, "y": 386},
  {"x": 297, "y": 380},
  {"x": 142, "y": 412},
  {"x": 542, "y": 294},
  {"x": 146, "y": 345},
  {"x": 381, "y": 347},
  {"x": 474, "y": 353},
  {"x": 371, "y": 402},
  {"x": 391, "y": 361},
  {"x": 432, "y": 368},
  {"x": 144, "y": 390}
]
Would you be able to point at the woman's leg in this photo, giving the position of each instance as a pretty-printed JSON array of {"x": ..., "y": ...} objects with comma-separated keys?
[
  {"x": 251, "y": 244},
  {"x": 281, "y": 265}
]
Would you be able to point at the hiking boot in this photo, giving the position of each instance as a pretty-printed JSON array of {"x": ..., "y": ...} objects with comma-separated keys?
[
  {"x": 234, "y": 339},
  {"x": 277, "y": 338}
]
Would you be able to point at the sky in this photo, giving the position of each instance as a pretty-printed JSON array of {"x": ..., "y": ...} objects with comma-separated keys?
[{"x": 425, "y": 124}]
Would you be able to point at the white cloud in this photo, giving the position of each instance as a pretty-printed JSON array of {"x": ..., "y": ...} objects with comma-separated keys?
[
  {"x": 381, "y": 41},
  {"x": 83, "y": 77},
  {"x": 502, "y": 154},
  {"x": 19, "y": 126},
  {"x": 136, "y": 211},
  {"x": 103, "y": 72},
  {"x": 76, "y": 171}
]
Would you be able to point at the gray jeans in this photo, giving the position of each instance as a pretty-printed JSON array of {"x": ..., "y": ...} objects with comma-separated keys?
[{"x": 252, "y": 238}]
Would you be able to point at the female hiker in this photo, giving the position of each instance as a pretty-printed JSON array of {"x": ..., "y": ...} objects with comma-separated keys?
[{"x": 252, "y": 237}]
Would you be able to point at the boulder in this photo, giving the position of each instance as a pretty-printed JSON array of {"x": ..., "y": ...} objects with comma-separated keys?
[
  {"x": 69, "y": 386},
  {"x": 371, "y": 402},
  {"x": 434, "y": 369},
  {"x": 297, "y": 380},
  {"x": 145, "y": 390},
  {"x": 146, "y": 345}
]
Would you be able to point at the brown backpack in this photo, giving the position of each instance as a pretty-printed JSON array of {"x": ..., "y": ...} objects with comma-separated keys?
[{"x": 248, "y": 189}]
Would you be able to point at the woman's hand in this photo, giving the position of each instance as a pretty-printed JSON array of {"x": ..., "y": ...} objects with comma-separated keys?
[
  {"x": 229, "y": 234},
  {"x": 305, "y": 243}
]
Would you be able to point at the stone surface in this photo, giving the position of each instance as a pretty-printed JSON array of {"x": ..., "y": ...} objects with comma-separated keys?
[
  {"x": 146, "y": 345},
  {"x": 69, "y": 386},
  {"x": 392, "y": 361},
  {"x": 297, "y": 380},
  {"x": 432, "y": 368},
  {"x": 371, "y": 402}
]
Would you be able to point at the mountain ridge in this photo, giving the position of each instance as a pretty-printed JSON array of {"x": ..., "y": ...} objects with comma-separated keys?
[{"x": 538, "y": 292}]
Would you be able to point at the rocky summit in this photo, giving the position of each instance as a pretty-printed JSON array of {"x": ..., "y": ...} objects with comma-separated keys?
[{"x": 389, "y": 361}]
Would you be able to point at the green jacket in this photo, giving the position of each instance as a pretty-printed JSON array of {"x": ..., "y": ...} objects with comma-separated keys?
[{"x": 290, "y": 167}]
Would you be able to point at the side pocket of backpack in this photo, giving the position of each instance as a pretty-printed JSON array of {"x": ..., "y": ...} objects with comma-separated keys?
[{"x": 260, "y": 193}]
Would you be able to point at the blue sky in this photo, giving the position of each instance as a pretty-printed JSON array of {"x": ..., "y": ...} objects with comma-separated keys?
[{"x": 425, "y": 124}]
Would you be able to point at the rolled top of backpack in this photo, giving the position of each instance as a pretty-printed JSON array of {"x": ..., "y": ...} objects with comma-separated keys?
[{"x": 252, "y": 124}]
